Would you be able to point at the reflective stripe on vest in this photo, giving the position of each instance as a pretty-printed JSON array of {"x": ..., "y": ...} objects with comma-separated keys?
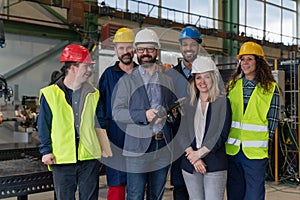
[
  {"x": 255, "y": 144},
  {"x": 249, "y": 127},
  {"x": 234, "y": 141},
  {"x": 237, "y": 142}
]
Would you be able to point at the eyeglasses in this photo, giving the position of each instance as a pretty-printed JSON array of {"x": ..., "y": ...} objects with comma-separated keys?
[
  {"x": 142, "y": 49},
  {"x": 91, "y": 66}
]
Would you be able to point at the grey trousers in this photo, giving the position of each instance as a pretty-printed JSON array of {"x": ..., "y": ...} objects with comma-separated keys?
[{"x": 210, "y": 186}]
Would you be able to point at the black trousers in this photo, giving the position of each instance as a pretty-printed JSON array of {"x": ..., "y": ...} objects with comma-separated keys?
[{"x": 180, "y": 192}]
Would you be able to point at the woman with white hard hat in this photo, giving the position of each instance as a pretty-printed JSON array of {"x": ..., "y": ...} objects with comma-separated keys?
[{"x": 204, "y": 166}]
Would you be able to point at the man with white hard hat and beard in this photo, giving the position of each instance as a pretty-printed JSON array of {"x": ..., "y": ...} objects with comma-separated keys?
[{"x": 140, "y": 99}]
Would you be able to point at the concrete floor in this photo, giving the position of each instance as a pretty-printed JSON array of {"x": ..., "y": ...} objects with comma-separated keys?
[{"x": 273, "y": 191}]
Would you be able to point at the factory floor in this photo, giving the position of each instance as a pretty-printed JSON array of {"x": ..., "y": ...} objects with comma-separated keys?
[{"x": 273, "y": 191}]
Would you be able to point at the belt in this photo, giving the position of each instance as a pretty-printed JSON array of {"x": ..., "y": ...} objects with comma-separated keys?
[{"x": 158, "y": 136}]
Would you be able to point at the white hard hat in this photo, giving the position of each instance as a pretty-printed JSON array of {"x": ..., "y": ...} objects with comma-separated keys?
[
  {"x": 203, "y": 64},
  {"x": 146, "y": 36}
]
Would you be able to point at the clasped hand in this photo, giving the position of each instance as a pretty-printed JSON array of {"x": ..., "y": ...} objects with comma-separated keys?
[{"x": 194, "y": 158}]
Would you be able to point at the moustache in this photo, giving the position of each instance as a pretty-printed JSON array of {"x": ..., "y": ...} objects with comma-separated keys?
[
  {"x": 126, "y": 54},
  {"x": 146, "y": 56},
  {"x": 189, "y": 51}
]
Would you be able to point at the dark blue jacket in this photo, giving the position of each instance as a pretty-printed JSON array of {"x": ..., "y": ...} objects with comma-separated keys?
[
  {"x": 216, "y": 159},
  {"x": 181, "y": 84},
  {"x": 115, "y": 133},
  {"x": 106, "y": 86}
]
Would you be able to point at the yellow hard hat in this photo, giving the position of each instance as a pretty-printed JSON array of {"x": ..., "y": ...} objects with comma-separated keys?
[
  {"x": 124, "y": 35},
  {"x": 251, "y": 48}
]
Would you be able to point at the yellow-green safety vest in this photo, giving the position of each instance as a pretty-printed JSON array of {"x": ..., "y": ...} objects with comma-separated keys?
[
  {"x": 249, "y": 130},
  {"x": 63, "y": 130}
]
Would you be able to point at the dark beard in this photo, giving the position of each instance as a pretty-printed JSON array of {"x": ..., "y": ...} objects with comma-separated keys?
[
  {"x": 190, "y": 59},
  {"x": 148, "y": 63},
  {"x": 125, "y": 61}
]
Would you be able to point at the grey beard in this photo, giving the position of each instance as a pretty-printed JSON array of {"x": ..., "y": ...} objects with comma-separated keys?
[{"x": 126, "y": 61}]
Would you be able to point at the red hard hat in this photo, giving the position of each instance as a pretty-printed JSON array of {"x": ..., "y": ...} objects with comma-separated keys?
[{"x": 76, "y": 53}]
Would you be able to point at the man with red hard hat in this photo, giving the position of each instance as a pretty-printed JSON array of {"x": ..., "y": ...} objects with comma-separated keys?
[{"x": 66, "y": 127}]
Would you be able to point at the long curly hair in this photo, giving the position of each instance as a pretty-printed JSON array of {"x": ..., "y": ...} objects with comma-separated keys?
[{"x": 263, "y": 71}]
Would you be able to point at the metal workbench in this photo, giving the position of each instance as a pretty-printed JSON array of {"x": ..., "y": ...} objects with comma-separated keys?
[{"x": 22, "y": 172}]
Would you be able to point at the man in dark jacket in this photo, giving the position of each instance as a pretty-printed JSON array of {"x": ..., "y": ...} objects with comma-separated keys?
[
  {"x": 115, "y": 174},
  {"x": 190, "y": 40}
]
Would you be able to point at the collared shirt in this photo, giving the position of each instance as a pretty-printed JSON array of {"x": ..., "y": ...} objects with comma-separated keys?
[
  {"x": 152, "y": 86},
  {"x": 186, "y": 71},
  {"x": 273, "y": 113},
  {"x": 75, "y": 99}
]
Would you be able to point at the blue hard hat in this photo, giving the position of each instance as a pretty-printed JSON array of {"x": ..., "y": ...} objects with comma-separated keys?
[{"x": 190, "y": 32}]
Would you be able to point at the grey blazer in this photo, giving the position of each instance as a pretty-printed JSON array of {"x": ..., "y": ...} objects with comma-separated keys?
[{"x": 129, "y": 105}]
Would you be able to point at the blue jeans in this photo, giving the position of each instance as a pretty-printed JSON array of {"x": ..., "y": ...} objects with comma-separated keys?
[
  {"x": 151, "y": 174},
  {"x": 246, "y": 178},
  {"x": 84, "y": 174}
]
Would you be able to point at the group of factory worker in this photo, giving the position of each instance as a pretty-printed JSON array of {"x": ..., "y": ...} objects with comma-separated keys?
[{"x": 182, "y": 120}]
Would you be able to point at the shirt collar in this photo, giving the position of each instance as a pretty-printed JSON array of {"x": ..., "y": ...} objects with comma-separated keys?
[
  {"x": 143, "y": 71},
  {"x": 185, "y": 70},
  {"x": 248, "y": 83},
  {"x": 116, "y": 66}
]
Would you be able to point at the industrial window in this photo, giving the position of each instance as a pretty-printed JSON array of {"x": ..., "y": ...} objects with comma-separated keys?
[{"x": 272, "y": 20}]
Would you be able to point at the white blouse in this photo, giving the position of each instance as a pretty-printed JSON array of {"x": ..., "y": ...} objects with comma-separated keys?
[{"x": 199, "y": 123}]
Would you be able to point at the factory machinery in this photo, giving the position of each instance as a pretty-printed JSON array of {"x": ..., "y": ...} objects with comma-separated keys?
[
  {"x": 21, "y": 170},
  {"x": 284, "y": 149}
]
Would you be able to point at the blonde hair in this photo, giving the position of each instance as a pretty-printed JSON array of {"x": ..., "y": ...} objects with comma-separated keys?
[{"x": 213, "y": 92}]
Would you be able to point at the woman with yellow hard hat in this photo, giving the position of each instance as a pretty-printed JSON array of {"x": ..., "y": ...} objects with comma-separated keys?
[{"x": 254, "y": 99}]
